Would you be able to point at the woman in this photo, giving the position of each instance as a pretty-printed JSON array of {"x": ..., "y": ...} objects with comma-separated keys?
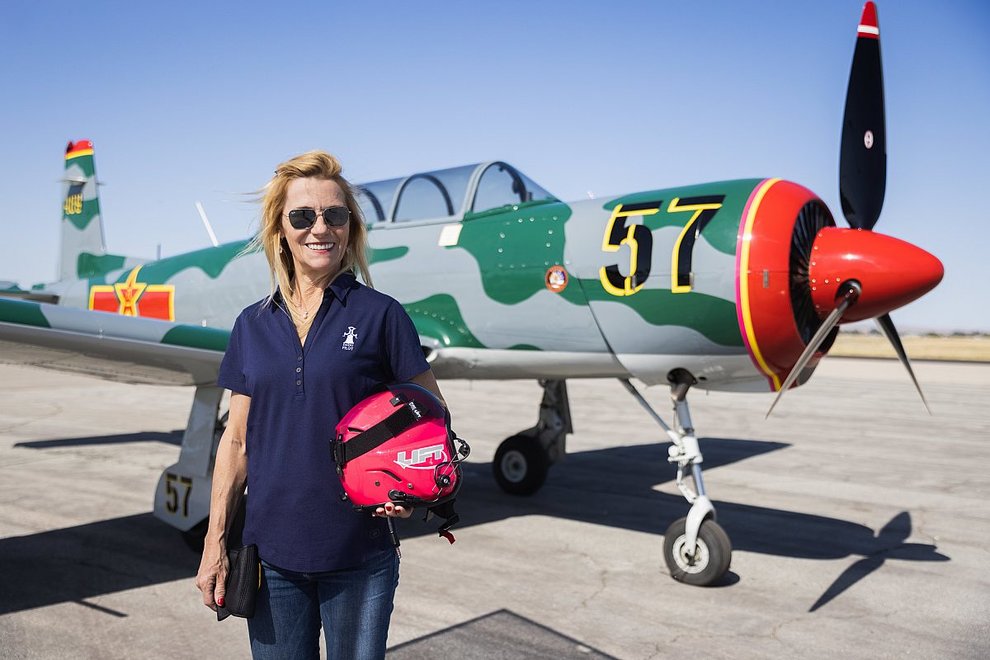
[{"x": 296, "y": 362}]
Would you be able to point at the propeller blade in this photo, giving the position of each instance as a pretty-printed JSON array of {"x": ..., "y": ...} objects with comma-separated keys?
[
  {"x": 863, "y": 154},
  {"x": 887, "y": 325},
  {"x": 849, "y": 298}
]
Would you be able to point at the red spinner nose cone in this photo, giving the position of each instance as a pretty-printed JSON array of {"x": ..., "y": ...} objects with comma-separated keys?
[{"x": 890, "y": 271}]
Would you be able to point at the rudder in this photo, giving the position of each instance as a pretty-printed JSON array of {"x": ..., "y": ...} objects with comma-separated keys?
[{"x": 83, "y": 250}]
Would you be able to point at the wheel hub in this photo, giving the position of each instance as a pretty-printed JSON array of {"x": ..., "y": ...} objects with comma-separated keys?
[
  {"x": 687, "y": 561},
  {"x": 514, "y": 466}
]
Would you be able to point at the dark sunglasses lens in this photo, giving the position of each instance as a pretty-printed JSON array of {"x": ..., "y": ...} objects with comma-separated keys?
[
  {"x": 336, "y": 216},
  {"x": 302, "y": 218}
]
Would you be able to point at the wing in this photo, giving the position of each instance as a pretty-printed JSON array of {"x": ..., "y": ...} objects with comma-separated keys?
[{"x": 120, "y": 348}]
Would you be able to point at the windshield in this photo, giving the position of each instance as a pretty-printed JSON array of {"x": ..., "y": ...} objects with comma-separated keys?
[
  {"x": 376, "y": 199},
  {"x": 502, "y": 185},
  {"x": 442, "y": 193}
]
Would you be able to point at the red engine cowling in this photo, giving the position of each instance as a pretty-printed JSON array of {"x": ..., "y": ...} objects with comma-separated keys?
[
  {"x": 793, "y": 263},
  {"x": 776, "y": 312}
]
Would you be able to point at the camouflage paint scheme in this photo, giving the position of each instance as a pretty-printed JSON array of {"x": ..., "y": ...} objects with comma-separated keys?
[
  {"x": 503, "y": 281},
  {"x": 475, "y": 282}
]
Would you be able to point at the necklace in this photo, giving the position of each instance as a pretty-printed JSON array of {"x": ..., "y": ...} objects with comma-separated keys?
[{"x": 303, "y": 310}]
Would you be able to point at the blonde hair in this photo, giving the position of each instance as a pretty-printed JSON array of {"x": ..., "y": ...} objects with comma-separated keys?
[{"x": 318, "y": 165}]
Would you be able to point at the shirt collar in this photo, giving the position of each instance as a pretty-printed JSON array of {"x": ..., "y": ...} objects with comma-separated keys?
[
  {"x": 339, "y": 288},
  {"x": 342, "y": 285}
]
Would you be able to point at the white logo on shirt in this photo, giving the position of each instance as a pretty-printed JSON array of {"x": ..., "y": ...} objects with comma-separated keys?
[{"x": 349, "y": 338}]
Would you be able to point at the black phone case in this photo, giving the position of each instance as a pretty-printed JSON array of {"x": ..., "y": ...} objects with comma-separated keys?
[{"x": 243, "y": 583}]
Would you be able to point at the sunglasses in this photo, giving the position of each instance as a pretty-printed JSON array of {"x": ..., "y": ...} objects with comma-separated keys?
[{"x": 334, "y": 216}]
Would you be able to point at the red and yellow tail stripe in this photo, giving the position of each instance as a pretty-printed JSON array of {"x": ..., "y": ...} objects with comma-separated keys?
[{"x": 77, "y": 149}]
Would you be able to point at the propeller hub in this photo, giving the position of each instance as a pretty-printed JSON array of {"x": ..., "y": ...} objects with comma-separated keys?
[{"x": 890, "y": 272}]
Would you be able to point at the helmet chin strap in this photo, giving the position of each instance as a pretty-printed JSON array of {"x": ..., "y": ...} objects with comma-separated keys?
[
  {"x": 444, "y": 510},
  {"x": 393, "y": 425}
]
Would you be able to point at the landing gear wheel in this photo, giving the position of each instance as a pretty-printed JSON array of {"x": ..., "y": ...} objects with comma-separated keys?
[
  {"x": 520, "y": 465},
  {"x": 710, "y": 560}
]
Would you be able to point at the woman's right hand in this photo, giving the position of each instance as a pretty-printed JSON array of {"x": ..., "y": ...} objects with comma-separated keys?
[{"x": 211, "y": 579}]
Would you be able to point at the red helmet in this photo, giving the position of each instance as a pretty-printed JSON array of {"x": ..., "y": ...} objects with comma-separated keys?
[{"x": 397, "y": 446}]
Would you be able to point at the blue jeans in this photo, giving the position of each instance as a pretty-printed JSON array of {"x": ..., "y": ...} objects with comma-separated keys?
[{"x": 354, "y": 606}]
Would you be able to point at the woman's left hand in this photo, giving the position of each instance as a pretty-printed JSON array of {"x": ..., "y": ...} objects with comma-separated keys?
[{"x": 391, "y": 510}]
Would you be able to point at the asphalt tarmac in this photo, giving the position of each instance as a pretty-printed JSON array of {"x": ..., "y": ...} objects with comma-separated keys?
[{"x": 860, "y": 526}]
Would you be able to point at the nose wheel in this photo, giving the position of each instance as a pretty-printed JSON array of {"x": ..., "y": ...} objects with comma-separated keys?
[{"x": 706, "y": 562}]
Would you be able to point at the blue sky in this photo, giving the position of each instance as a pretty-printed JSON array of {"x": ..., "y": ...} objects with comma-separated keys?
[{"x": 189, "y": 101}]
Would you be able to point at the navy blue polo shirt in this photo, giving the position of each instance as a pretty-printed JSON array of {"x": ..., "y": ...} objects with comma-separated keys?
[{"x": 360, "y": 340}]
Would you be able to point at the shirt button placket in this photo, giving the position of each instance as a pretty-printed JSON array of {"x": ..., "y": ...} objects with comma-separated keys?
[{"x": 299, "y": 388}]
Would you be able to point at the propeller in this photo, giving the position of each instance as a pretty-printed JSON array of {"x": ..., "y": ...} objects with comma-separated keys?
[
  {"x": 856, "y": 274},
  {"x": 863, "y": 151},
  {"x": 849, "y": 298},
  {"x": 887, "y": 326}
]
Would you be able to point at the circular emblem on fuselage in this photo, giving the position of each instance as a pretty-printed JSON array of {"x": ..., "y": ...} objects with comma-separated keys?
[
  {"x": 868, "y": 139},
  {"x": 556, "y": 278}
]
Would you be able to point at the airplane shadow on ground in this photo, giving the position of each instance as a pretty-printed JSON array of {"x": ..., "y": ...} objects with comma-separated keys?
[
  {"x": 76, "y": 563},
  {"x": 611, "y": 487},
  {"x": 171, "y": 438},
  {"x": 614, "y": 487}
]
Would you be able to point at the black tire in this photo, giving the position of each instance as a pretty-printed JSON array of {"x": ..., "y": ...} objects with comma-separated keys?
[
  {"x": 711, "y": 559},
  {"x": 520, "y": 466}
]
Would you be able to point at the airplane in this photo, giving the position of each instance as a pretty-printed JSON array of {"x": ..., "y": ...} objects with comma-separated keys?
[{"x": 732, "y": 285}]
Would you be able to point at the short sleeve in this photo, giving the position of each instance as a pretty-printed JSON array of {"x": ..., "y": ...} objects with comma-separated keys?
[
  {"x": 402, "y": 347},
  {"x": 231, "y": 375}
]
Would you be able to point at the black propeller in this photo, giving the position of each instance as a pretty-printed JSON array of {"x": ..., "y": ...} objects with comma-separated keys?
[
  {"x": 847, "y": 300},
  {"x": 863, "y": 154},
  {"x": 862, "y": 183},
  {"x": 887, "y": 325}
]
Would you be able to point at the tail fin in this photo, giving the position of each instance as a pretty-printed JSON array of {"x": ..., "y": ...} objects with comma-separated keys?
[{"x": 83, "y": 252}]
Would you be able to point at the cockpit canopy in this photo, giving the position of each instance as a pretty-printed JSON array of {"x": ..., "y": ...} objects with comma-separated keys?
[{"x": 449, "y": 194}]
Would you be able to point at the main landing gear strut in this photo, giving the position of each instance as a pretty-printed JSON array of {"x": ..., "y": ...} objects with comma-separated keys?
[
  {"x": 696, "y": 549},
  {"x": 522, "y": 461}
]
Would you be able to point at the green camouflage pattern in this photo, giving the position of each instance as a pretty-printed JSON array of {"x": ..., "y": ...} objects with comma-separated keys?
[
  {"x": 475, "y": 283},
  {"x": 520, "y": 286}
]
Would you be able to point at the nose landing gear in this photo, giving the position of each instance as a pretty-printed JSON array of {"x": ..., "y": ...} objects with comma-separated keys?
[{"x": 695, "y": 548}]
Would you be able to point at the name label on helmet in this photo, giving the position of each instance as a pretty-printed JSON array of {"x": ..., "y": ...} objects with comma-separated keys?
[{"x": 424, "y": 458}]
